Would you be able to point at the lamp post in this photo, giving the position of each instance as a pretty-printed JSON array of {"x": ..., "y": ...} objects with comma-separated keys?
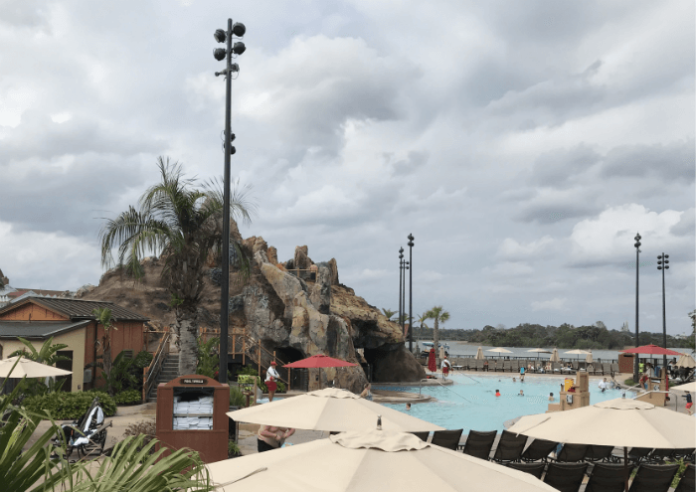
[
  {"x": 635, "y": 364},
  {"x": 403, "y": 300},
  {"x": 233, "y": 30},
  {"x": 663, "y": 264},
  {"x": 401, "y": 284},
  {"x": 410, "y": 293}
]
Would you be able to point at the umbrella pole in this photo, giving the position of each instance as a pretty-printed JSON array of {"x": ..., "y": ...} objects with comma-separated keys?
[{"x": 626, "y": 466}]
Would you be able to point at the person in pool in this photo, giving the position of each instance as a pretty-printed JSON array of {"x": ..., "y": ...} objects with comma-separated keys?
[
  {"x": 551, "y": 398},
  {"x": 497, "y": 392},
  {"x": 514, "y": 380},
  {"x": 521, "y": 393}
]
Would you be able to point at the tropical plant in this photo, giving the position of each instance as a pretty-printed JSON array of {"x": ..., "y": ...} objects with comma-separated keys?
[
  {"x": 128, "y": 397},
  {"x": 126, "y": 372},
  {"x": 104, "y": 318},
  {"x": 208, "y": 359},
  {"x": 47, "y": 354},
  {"x": 692, "y": 338},
  {"x": 388, "y": 313},
  {"x": 237, "y": 398},
  {"x": 68, "y": 406},
  {"x": 135, "y": 467},
  {"x": 183, "y": 224},
  {"x": 438, "y": 315}
]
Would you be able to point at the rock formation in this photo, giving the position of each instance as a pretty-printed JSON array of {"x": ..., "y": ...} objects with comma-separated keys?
[{"x": 296, "y": 308}]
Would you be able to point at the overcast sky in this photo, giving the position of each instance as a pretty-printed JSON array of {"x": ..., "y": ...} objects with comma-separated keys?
[{"x": 523, "y": 143}]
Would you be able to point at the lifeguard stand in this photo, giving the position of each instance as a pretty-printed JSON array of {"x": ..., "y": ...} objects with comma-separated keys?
[{"x": 574, "y": 395}]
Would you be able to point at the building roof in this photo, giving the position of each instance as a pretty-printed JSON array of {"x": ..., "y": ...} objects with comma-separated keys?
[
  {"x": 38, "y": 329},
  {"x": 78, "y": 309}
]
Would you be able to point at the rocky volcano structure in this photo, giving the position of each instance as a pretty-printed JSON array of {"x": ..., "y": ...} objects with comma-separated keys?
[{"x": 296, "y": 308}]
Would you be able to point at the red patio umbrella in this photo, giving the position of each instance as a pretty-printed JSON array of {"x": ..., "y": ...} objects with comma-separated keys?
[
  {"x": 650, "y": 350},
  {"x": 319, "y": 360},
  {"x": 432, "y": 365}
]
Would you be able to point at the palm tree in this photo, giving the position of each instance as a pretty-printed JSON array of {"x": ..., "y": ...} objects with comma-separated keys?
[
  {"x": 388, "y": 313},
  {"x": 183, "y": 224},
  {"x": 104, "y": 318},
  {"x": 438, "y": 315}
]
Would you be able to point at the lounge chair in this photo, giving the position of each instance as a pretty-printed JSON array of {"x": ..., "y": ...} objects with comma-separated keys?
[
  {"x": 598, "y": 453},
  {"x": 687, "y": 454},
  {"x": 515, "y": 365},
  {"x": 479, "y": 365},
  {"x": 507, "y": 366},
  {"x": 576, "y": 365},
  {"x": 540, "y": 449},
  {"x": 660, "y": 455},
  {"x": 479, "y": 444},
  {"x": 536, "y": 469},
  {"x": 447, "y": 438},
  {"x": 614, "y": 368},
  {"x": 423, "y": 436},
  {"x": 688, "y": 480},
  {"x": 607, "y": 369},
  {"x": 636, "y": 455},
  {"x": 510, "y": 447},
  {"x": 566, "y": 477},
  {"x": 654, "y": 478},
  {"x": 572, "y": 453},
  {"x": 590, "y": 369},
  {"x": 556, "y": 367},
  {"x": 607, "y": 478}
]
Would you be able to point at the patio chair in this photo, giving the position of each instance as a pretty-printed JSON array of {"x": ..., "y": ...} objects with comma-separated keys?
[
  {"x": 507, "y": 366},
  {"x": 423, "y": 436},
  {"x": 654, "y": 478},
  {"x": 515, "y": 365},
  {"x": 572, "y": 453},
  {"x": 636, "y": 455},
  {"x": 607, "y": 478},
  {"x": 590, "y": 369},
  {"x": 598, "y": 453},
  {"x": 510, "y": 447},
  {"x": 536, "y": 469},
  {"x": 660, "y": 455},
  {"x": 687, "y": 454},
  {"x": 556, "y": 367},
  {"x": 479, "y": 365},
  {"x": 566, "y": 477},
  {"x": 479, "y": 444},
  {"x": 576, "y": 365},
  {"x": 606, "y": 368},
  {"x": 614, "y": 368},
  {"x": 447, "y": 438},
  {"x": 540, "y": 449},
  {"x": 687, "y": 483}
]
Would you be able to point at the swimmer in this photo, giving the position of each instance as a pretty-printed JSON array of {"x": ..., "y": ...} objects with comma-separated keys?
[
  {"x": 521, "y": 393},
  {"x": 408, "y": 406},
  {"x": 497, "y": 392},
  {"x": 551, "y": 398},
  {"x": 514, "y": 380}
]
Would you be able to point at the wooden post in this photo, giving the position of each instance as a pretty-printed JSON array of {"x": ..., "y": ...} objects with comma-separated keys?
[
  {"x": 244, "y": 351},
  {"x": 234, "y": 348},
  {"x": 258, "y": 356},
  {"x": 289, "y": 379}
]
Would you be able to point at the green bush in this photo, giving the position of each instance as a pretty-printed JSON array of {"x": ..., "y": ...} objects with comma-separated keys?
[
  {"x": 128, "y": 397},
  {"x": 69, "y": 406},
  {"x": 233, "y": 449},
  {"x": 237, "y": 398}
]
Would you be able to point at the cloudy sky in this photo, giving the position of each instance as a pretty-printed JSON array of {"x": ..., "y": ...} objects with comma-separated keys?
[{"x": 523, "y": 143}]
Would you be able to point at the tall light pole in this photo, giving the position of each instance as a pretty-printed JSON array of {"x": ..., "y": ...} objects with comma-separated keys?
[
  {"x": 401, "y": 284},
  {"x": 663, "y": 264},
  {"x": 410, "y": 293},
  {"x": 233, "y": 30},
  {"x": 403, "y": 300},
  {"x": 635, "y": 363}
]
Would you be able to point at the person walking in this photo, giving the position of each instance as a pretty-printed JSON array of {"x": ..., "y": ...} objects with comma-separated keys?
[
  {"x": 271, "y": 378},
  {"x": 446, "y": 366},
  {"x": 522, "y": 374},
  {"x": 689, "y": 403}
]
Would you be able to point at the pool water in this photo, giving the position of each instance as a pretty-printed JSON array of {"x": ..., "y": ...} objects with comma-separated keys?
[{"x": 470, "y": 403}]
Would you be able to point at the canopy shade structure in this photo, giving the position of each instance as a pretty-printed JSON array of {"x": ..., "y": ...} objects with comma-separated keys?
[
  {"x": 331, "y": 410},
  {"x": 500, "y": 350},
  {"x": 479, "y": 354},
  {"x": 554, "y": 356},
  {"x": 650, "y": 350},
  {"x": 28, "y": 368},
  {"x": 686, "y": 361},
  {"x": 375, "y": 461},
  {"x": 319, "y": 360},
  {"x": 621, "y": 422}
]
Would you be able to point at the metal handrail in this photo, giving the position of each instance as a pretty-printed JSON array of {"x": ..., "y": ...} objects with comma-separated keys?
[{"x": 152, "y": 371}]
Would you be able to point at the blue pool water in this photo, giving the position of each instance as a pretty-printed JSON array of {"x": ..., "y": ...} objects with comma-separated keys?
[{"x": 470, "y": 403}]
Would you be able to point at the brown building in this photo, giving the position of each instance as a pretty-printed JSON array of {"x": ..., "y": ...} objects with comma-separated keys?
[{"x": 72, "y": 322}]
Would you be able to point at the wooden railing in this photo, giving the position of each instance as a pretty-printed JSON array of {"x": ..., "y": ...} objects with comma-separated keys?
[
  {"x": 151, "y": 372},
  {"x": 240, "y": 343}
]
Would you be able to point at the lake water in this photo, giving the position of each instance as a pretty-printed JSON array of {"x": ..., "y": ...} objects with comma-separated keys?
[{"x": 470, "y": 403}]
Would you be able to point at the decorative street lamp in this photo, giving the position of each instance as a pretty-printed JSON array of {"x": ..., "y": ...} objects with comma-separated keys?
[
  {"x": 410, "y": 293},
  {"x": 233, "y": 30},
  {"x": 401, "y": 284},
  {"x": 403, "y": 300},
  {"x": 635, "y": 364},
  {"x": 663, "y": 264}
]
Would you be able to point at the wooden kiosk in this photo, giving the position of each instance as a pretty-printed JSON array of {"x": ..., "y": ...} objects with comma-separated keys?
[{"x": 191, "y": 413}]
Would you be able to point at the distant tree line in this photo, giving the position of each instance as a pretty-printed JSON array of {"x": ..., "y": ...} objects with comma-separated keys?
[{"x": 566, "y": 336}]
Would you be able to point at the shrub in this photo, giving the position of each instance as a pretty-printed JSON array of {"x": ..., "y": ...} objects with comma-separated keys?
[
  {"x": 233, "y": 449},
  {"x": 69, "y": 406},
  {"x": 146, "y": 428},
  {"x": 128, "y": 397},
  {"x": 237, "y": 398}
]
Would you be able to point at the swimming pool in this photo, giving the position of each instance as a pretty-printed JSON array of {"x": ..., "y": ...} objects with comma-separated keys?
[{"x": 470, "y": 403}]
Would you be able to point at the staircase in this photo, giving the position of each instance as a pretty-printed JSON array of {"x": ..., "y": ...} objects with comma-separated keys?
[{"x": 170, "y": 370}]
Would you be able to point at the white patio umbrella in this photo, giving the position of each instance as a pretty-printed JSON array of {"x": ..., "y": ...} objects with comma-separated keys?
[
  {"x": 29, "y": 368},
  {"x": 690, "y": 387},
  {"x": 479, "y": 354},
  {"x": 375, "y": 461},
  {"x": 622, "y": 422},
  {"x": 578, "y": 352},
  {"x": 330, "y": 410},
  {"x": 499, "y": 350},
  {"x": 686, "y": 361},
  {"x": 554, "y": 356}
]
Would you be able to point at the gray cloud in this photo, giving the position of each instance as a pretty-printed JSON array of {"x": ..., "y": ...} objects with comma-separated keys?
[
  {"x": 686, "y": 225},
  {"x": 557, "y": 167},
  {"x": 668, "y": 162}
]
